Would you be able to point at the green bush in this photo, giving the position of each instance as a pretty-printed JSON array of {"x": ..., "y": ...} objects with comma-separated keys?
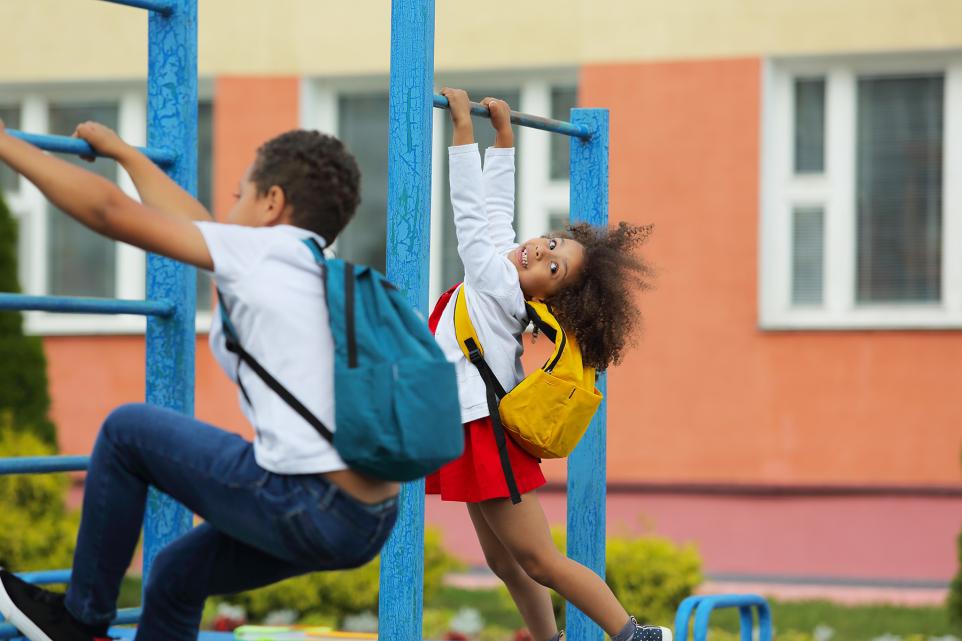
[
  {"x": 36, "y": 531},
  {"x": 23, "y": 368},
  {"x": 340, "y": 593},
  {"x": 955, "y": 591},
  {"x": 649, "y": 575}
]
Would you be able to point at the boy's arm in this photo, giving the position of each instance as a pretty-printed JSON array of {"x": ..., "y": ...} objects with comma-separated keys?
[
  {"x": 156, "y": 188},
  {"x": 478, "y": 253},
  {"x": 498, "y": 176},
  {"x": 100, "y": 205}
]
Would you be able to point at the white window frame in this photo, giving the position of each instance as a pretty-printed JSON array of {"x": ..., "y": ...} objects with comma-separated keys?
[
  {"x": 29, "y": 207},
  {"x": 834, "y": 191},
  {"x": 537, "y": 196}
]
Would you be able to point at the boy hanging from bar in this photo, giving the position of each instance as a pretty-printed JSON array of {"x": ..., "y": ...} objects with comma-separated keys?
[{"x": 283, "y": 505}]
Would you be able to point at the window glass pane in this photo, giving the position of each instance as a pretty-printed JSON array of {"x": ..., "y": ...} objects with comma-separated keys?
[
  {"x": 899, "y": 189},
  {"x": 808, "y": 245},
  {"x": 80, "y": 262},
  {"x": 562, "y": 101},
  {"x": 363, "y": 126},
  {"x": 11, "y": 119},
  {"x": 451, "y": 269},
  {"x": 205, "y": 189},
  {"x": 557, "y": 221},
  {"x": 810, "y": 126}
]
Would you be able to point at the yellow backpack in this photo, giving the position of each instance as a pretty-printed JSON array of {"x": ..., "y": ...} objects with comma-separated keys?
[{"x": 548, "y": 412}]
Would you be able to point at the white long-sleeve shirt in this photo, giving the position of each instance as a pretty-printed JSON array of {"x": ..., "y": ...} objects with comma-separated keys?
[{"x": 483, "y": 203}]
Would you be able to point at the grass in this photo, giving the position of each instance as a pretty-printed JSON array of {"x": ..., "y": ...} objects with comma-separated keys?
[{"x": 849, "y": 622}]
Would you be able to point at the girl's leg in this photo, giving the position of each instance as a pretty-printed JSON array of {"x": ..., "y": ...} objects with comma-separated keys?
[
  {"x": 532, "y": 598},
  {"x": 523, "y": 530}
]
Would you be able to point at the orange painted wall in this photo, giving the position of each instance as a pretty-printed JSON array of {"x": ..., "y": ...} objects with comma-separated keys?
[
  {"x": 90, "y": 375},
  {"x": 248, "y": 111},
  {"x": 708, "y": 396}
]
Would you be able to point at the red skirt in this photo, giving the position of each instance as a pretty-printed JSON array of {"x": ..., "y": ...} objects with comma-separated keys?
[{"x": 477, "y": 475}]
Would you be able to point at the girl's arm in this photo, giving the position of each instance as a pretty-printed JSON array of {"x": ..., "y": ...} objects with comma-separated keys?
[
  {"x": 155, "y": 187},
  {"x": 100, "y": 205},
  {"x": 498, "y": 176},
  {"x": 483, "y": 267}
]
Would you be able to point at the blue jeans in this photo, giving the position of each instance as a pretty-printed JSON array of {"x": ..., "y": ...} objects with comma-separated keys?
[{"x": 259, "y": 528}]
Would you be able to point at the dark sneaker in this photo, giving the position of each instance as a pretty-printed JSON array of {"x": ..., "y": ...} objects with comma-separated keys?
[
  {"x": 40, "y": 615},
  {"x": 651, "y": 633}
]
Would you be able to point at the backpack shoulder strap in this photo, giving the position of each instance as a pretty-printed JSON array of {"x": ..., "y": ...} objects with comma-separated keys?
[
  {"x": 470, "y": 345},
  {"x": 544, "y": 320},
  {"x": 232, "y": 342},
  {"x": 464, "y": 330}
]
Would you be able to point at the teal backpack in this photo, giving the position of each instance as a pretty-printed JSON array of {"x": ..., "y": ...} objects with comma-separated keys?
[{"x": 395, "y": 395}]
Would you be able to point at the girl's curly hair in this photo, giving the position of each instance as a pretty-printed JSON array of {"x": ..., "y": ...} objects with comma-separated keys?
[{"x": 600, "y": 308}]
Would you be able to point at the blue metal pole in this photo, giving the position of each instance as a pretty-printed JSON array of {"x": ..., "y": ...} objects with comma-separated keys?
[
  {"x": 42, "y": 464},
  {"x": 408, "y": 235},
  {"x": 68, "y": 145},
  {"x": 524, "y": 120},
  {"x": 587, "y": 464},
  {"x": 82, "y": 305},
  {"x": 171, "y": 122},
  {"x": 165, "y": 7}
]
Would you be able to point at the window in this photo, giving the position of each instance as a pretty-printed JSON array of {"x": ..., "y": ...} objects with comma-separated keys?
[
  {"x": 10, "y": 115},
  {"x": 205, "y": 189},
  {"x": 363, "y": 126},
  {"x": 360, "y": 119},
  {"x": 563, "y": 100},
  {"x": 80, "y": 262},
  {"x": 59, "y": 256},
  {"x": 860, "y": 175}
]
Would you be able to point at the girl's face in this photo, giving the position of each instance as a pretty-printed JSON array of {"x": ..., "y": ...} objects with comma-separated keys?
[{"x": 547, "y": 264}]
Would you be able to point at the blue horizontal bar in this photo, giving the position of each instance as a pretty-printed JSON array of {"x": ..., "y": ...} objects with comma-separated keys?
[
  {"x": 124, "y": 617},
  {"x": 525, "y": 120},
  {"x": 78, "y": 147},
  {"x": 42, "y": 464},
  {"x": 164, "y": 7},
  {"x": 81, "y": 305},
  {"x": 45, "y": 577}
]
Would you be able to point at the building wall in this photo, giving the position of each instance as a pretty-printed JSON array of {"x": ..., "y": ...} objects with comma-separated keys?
[
  {"x": 707, "y": 391},
  {"x": 313, "y": 38},
  {"x": 706, "y": 396}
]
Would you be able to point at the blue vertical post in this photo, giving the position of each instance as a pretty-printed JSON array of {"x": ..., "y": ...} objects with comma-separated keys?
[
  {"x": 172, "y": 124},
  {"x": 587, "y": 464},
  {"x": 408, "y": 235}
]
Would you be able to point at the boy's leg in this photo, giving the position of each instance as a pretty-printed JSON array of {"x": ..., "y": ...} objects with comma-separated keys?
[
  {"x": 209, "y": 470},
  {"x": 523, "y": 530},
  {"x": 532, "y": 598},
  {"x": 203, "y": 562}
]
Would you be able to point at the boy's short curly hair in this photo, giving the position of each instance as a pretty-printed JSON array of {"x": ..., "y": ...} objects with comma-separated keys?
[
  {"x": 600, "y": 308},
  {"x": 319, "y": 176}
]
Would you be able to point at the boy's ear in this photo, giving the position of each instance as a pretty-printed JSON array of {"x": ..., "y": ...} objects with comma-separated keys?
[{"x": 277, "y": 205}]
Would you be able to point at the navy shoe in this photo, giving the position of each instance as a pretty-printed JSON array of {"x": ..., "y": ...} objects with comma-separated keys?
[
  {"x": 650, "y": 633},
  {"x": 39, "y": 614}
]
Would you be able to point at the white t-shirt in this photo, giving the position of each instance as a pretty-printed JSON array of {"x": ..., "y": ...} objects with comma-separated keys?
[
  {"x": 483, "y": 203},
  {"x": 275, "y": 295}
]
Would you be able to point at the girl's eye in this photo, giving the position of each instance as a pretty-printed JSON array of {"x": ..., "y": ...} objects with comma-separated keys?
[
  {"x": 554, "y": 268},
  {"x": 236, "y": 195},
  {"x": 552, "y": 244}
]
